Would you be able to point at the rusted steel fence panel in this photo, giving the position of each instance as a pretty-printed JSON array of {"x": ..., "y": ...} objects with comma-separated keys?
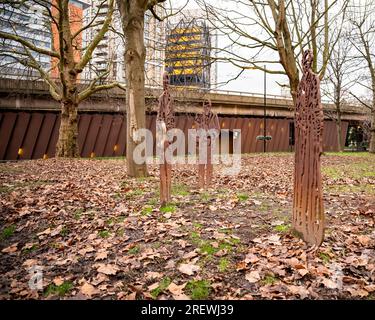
[
  {"x": 14, "y": 149},
  {"x": 51, "y": 149},
  {"x": 7, "y": 123},
  {"x": 84, "y": 121},
  {"x": 31, "y": 135},
  {"x": 111, "y": 148},
  {"x": 45, "y": 132},
  {"x": 104, "y": 134},
  {"x": 101, "y": 140}
]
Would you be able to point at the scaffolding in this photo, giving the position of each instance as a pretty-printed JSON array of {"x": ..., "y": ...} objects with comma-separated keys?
[{"x": 188, "y": 53}]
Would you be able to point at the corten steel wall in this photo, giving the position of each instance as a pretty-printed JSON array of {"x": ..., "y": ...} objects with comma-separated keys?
[{"x": 33, "y": 135}]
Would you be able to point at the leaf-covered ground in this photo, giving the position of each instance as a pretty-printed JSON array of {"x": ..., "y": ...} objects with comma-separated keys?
[{"x": 98, "y": 234}]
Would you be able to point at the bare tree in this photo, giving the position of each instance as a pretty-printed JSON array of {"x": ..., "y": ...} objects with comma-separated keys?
[
  {"x": 340, "y": 77},
  {"x": 67, "y": 58},
  {"x": 362, "y": 15},
  {"x": 264, "y": 34},
  {"x": 133, "y": 19}
]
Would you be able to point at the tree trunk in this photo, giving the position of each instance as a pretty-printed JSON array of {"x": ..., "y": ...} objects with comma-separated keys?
[
  {"x": 67, "y": 144},
  {"x": 135, "y": 55},
  {"x": 340, "y": 147}
]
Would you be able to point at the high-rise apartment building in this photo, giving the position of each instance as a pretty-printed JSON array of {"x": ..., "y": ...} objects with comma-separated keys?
[
  {"x": 109, "y": 54},
  {"x": 31, "y": 21}
]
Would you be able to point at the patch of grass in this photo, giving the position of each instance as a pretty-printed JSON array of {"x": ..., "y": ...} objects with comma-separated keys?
[
  {"x": 197, "y": 225},
  {"x": 77, "y": 214},
  {"x": 205, "y": 196},
  {"x": 168, "y": 208},
  {"x": 324, "y": 257},
  {"x": 180, "y": 190},
  {"x": 234, "y": 241},
  {"x": 120, "y": 219},
  {"x": 117, "y": 196},
  {"x": 223, "y": 264},
  {"x": 225, "y": 230},
  {"x": 132, "y": 194},
  {"x": 269, "y": 279},
  {"x": 104, "y": 234},
  {"x": 263, "y": 207},
  {"x": 156, "y": 245},
  {"x": 195, "y": 237},
  {"x": 64, "y": 231},
  {"x": 29, "y": 250},
  {"x": 110, "y": 221},
  {"x": 120, "y": 232},
  {"x": 60, "y": 290},
  {"x": 242, "y": 196},
  {"x": 354, "y": 170},
  {"x": 206, "y": 247},
  {"x": 348, "y": 154},
  {"x": 5, "y": 189},
  {"x": 198, "y": 289},
  {"x": 153, "y": 201},
  {"x": 134, "y": 250},
  {"x": 282, "y": 228},
  {"x": 225, "y": 246},
  {"x": 164, "y": 283},
  {"x": 146, "y": 211},
  {"x": 343, "y": 188},
  {"x": 8, "y": 232}
]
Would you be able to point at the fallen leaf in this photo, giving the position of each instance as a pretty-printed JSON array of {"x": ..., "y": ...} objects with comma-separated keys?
[
  {"x": 300, "y": 290},
  {"x": 101, "y": 255},
  {"x": 107, "y": 269},
  {"x": 252, "y": 276},
  {"x": 242, "y": 265},
  {"x": 188, "y": 269},
  {"x": 29, "y": 262},
  {"x": 358, "y": 292},
  {"x": 181, "y": 296},
  {"x": 176, "y": 289},
  {"x": 47, "y": 231},
  {"x": 10, "y": 249},
  {"x": 364, "y": 240},
  {"x": 190, "y": 255},
  {"x": 89, "y": 290},
  {"x": 328, "y": 283},
  {"x": 58, "y": 281},
  {"x": 56, "y": 231},
  {"x": 153, "y": 275},
  {"x": 251, "y": 258},
  {"x": 153, "y": 286}
]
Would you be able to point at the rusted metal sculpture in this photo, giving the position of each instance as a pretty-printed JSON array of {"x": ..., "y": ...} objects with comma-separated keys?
[
  {"x": 209, "y": 122},
  {"x": 308, "y": 211},
  {"x": 166, "y": 121}
]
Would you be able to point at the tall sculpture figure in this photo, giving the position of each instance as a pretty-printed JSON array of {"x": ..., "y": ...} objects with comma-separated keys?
[
  {"x": 308, "y": 211},
  {"x": 209, "y": 122},
  {"x": 165, "y": 122}
]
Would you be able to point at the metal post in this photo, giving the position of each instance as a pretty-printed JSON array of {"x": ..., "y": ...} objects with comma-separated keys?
[{"x": 265, "y": 105}]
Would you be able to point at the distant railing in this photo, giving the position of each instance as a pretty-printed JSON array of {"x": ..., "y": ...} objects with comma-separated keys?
[{"x": 197, "y": 90}]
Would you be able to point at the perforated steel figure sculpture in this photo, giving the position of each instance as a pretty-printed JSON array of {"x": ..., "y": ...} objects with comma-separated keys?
[
  {"x": 209, "y": 122},
  {"x": 308, "y": 211},
  {"x": 165, "y": 122}
]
